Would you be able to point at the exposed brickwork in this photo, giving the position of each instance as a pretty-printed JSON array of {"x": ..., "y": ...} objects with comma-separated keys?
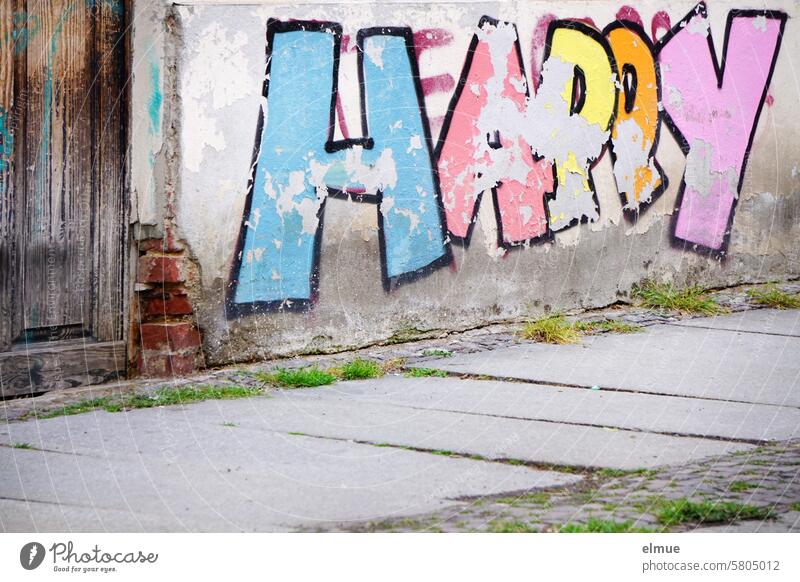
[
  {"x": 156, "y": 364},
  {"x": 169, "y": 335},
  {"x": 167, "y": 304},
  {"x": 160, "y": 269},
  {"x": 167, "y": 340}
]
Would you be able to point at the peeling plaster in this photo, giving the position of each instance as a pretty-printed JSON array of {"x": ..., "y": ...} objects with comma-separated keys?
[
  {"x": 700, "y": 175},
  {"x": 633, "y": 154},
  {"x": 216, "y": 77}
]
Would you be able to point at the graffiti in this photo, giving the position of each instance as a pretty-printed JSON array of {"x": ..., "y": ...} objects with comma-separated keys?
[
  {"x": 634, "y": 137},
  {"x": 473, "y": 157},
  {"x": 712, "y": 109},
  {"x": 529, "y": 144},
  {"x": 298, "y": 164},
  {"x": 514, "y": 137}
]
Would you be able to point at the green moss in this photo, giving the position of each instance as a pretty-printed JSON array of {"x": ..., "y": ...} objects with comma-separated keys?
[
  {"x": 761, "y": 463},
  {"x": 437, "y": 353},
  {"x": 22, "y": 446},
  {"x": 537, "y": 498},
  {"x": 739, "y": 486},
  {"x": 606, "y": 326},
  {"x": 425, "y": 372},
  {"x": 405, "y": 334},
  {"x": 610, "y": 473}
]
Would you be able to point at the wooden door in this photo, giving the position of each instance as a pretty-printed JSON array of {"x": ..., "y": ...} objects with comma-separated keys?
[{"x": 63, "y": 206}]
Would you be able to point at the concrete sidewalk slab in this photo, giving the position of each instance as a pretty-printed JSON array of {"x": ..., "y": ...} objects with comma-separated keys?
[
  {"x": 469, "y": 434},
  {"x": 671, "y": 360},
  {"x": 200, "y": 476},
  {"x": 765, "y": 321},
  {"x": 646, "y": 412},
  {"x": 36, "y": 516},
  {"x": 152, "y": 431}
]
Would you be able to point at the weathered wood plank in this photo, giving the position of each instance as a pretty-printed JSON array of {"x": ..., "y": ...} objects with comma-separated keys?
[
  {"x": 111, "y": 242},
  {"x": 57, "y": 365},
  {"x": 56, "y": 263},
  {"x": 8, "y": 38}
]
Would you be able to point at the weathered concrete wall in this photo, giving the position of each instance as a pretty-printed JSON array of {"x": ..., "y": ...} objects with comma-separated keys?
[{"x": 577, "y": 132}]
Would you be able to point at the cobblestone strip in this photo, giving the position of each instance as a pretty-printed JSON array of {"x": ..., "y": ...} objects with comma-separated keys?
[{"x": 762, "y": 484}]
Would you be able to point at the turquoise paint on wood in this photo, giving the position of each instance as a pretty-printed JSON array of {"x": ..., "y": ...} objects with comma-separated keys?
[{"x": 156, "y": 99}]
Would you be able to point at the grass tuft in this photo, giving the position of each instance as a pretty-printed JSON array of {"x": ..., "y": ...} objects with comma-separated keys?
[
  {"x": 359, "y": 370},
  {"x": 678, "y": 511},
  {"x": 771, "y": 296},
  {"x": 595, "y": 525},
  {"x": 795, "y": 506},
  {"x": 160, "y": 397},
  {"x": 22, "y": 446},
  {"x": 297, "y": 377},
  {"x": 666, "y": 296},
  {"x": 552, "y": 329},
  {"x": 556, "y": 329},
  {"x": 425, "y": 372}
]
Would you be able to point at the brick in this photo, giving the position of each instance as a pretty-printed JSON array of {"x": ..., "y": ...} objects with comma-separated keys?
[
  {"x": 182, "y": 364},
  {"x": 169, "y": 336},
  {"x": 161, "y": 365},
  {"x": 153, "y": 336},
  {"x": 154, "y": 365},
  {"x": 168, "y": 304},
  {"x": 160, "y": 269},
  {"x": 167, "y": 244},
  {"x": 184, "y": 336}
]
